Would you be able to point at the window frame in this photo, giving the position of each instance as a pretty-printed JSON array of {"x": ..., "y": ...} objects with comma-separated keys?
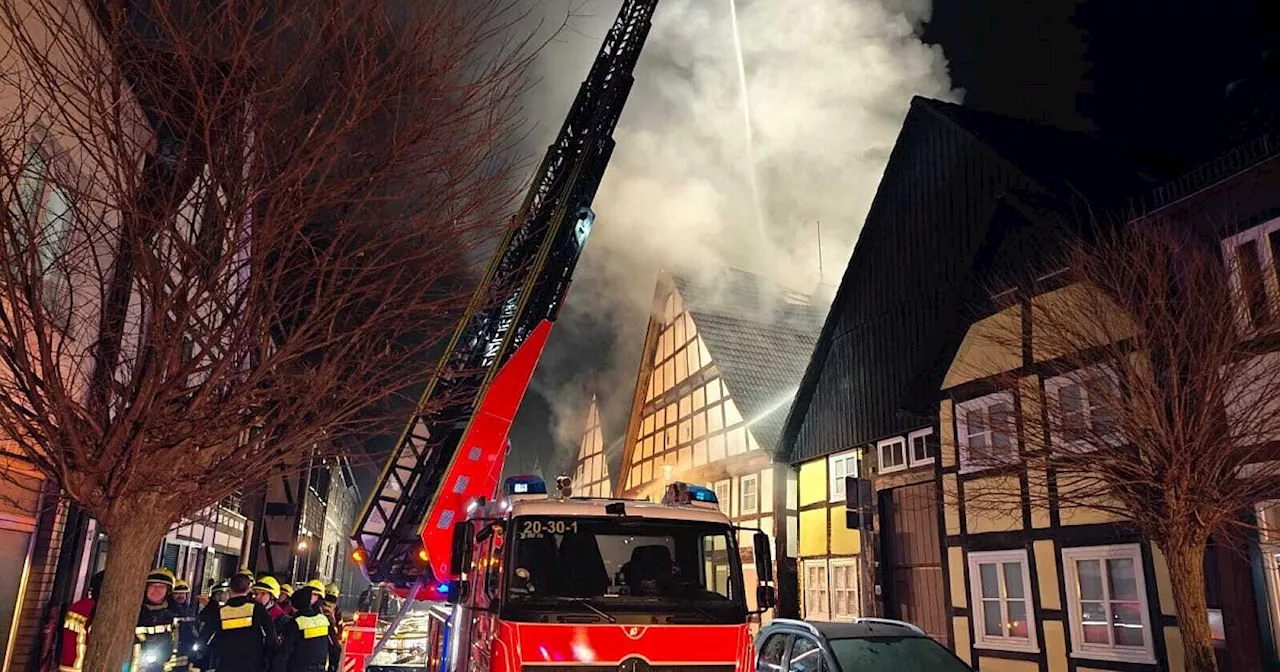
[
  {"x": 820, "y": 563},
  {"x": 912, "y": 462},
  {"x": 1260, "y": 234},
  {"x": 727, "y": 500},
  {"x": 1109, "y": 652},
  {"x": 977, "y": 606},
  {"x": 880, "y": 453},
  {"x": 851, "y": 562},
  {"x": 962, "y": 427},
  {"x": 1053, "y": 386},
  {"x": 833, "y": 481},
  {"x": 742, "y": 495}
]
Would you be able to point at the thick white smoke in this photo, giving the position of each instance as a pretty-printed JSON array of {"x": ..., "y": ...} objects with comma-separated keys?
[{"x": 829, "y": 82}]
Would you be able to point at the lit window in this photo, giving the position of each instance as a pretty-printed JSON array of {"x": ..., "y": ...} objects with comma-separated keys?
[
  {"x": 750, "y": 494},
  {"x": 986, "y": 431},
  {"x": 723, "y": 495},
  {"x": 1107, "y": 601},
  {"x": 840, "y": 466},
  {"x": 1000, "y": 587},
  {"x": 1080, "y": 402},
  {"x": 893, "y": 454},
  {"x": 920, "y": 447}
]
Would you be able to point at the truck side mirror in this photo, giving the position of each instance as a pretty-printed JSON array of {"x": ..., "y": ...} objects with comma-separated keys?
[
  {"x": 460, "y": 552},
  {"x": 766, "y": 597},
  {"x": 764, "y": 557}
]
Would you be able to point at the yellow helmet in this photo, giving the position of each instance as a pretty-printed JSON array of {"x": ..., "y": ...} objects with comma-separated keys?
[
  {"x": 317, "y": 585},
  {"x": 332, "y": 590},
  {"x": 268, "y": 584},
  {"x": 286, "y": 589},
  {"x": 161, "y": 575},
  {"x": 246, "y": 572},
  {"x": 181, "y": 587}
]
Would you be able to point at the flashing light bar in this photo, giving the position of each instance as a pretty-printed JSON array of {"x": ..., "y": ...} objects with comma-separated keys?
[
  {"x": 524, "y": 485},
  {"x": 688, "y": 494}
]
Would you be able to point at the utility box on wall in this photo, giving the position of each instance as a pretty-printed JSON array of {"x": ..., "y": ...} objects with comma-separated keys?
[{"x": 859, "y": 505}]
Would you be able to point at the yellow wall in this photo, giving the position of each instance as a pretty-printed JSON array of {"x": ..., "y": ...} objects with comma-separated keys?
[
  {"x": 1058, "y": 307},
  {"x": 844, "y": 541},
  {"x": 960, "y": 626},
  {"x": 955, "y": 568},
  {"x": 813, "y": 482},
  {"x": 986, "y": 663},
  {"x": 947, "y": 437},
  {"x": 1175, "y": 651},
  {"x": 993, "y": 504},
  {"x": 813, "y": 533},
  {"x": 1164, "y": 585},
  {"x": 1045, "y": 558},
  {"x": 991, "y": 346},
  {"x": 1053, "y": 641}
]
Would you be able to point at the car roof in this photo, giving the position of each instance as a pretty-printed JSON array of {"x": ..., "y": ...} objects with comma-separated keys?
[{"x": 860, "y": 628}]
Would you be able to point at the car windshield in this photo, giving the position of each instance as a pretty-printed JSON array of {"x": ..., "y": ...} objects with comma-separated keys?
[
  {"x": 619, "y": 564},
  {"x": 894, "y": 654}
]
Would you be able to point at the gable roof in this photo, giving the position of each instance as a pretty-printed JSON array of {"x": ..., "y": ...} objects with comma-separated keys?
[
  {"x": 953, "y": 177},
  {"x": 760, "y": 336}
]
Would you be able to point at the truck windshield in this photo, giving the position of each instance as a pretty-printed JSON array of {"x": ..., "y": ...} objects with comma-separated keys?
[{"x": 621, "y": 565}]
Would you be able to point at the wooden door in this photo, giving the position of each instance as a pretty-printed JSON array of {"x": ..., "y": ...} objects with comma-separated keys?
[{"x": 912, "y": 559}]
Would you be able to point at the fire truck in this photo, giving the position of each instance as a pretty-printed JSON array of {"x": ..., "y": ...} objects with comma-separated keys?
[
  {"x": 499, "y": 578},
  {"x": 551, "y": 579}
]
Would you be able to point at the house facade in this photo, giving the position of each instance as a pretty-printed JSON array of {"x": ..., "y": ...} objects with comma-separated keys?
[
  {"x": 1031, "y": 589},
  {"x": 721, "y": 361},
  {"x": 960, "y": 193}
]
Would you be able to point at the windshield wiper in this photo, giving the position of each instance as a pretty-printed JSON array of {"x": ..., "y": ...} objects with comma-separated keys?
[{"x": 586, "y": 602}]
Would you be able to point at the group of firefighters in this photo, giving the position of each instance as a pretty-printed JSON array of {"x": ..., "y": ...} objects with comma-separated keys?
[{"x": 245, "y": 624}]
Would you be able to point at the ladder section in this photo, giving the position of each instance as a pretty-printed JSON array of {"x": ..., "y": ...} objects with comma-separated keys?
[{"x": 524, "y": 287}]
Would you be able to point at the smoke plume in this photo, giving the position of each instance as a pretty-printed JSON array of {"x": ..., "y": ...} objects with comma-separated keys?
[{"x": 829, "y": 82}]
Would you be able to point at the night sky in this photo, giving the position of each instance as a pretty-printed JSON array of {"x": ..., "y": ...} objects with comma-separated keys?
[{"x": 1136, "y": 71}]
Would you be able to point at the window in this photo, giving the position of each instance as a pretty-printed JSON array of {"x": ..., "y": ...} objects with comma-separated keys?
[
  {"x": 921, "y": 448},
  {"x": 986, "y": 431},
  {"x": 750, "y": 494},
  {"x": 817, "y": 599},
  {"x": 1253, "y": 257},
  {"x": 1106, "y": 598},
  {"x": 806, "y": 655},
  {"x": 771, "y": 653},
  {"x": 893, "y": 455},
  {"x": 844, "y": 588},
  {"x": 722, "y": 495},
  {"x": 1000, "y": 588},
  {"x": 839, "y": 466},
  {"x": 1080, "y": 402}
]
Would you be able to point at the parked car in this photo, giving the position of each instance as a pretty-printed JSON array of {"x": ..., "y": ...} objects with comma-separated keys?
[{"x": 864, "y": 645}]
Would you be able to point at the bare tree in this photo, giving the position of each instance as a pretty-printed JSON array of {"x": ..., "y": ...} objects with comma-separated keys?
[
  {"x": 1163, "y": 407},
  {"x": 232, "y": 232}
]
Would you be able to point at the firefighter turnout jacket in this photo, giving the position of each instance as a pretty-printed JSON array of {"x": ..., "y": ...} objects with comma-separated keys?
[
  {"x": 184, "y": 621},
  {"x": 306, "y": 643},
  {"x": 154, "y": 640},
  {"x": 75, "y": 630},
  {"x": 239, "y": 634}
]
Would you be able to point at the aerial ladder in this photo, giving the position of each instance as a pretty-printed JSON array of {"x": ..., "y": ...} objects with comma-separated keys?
[{"x": 452, "y": 450}]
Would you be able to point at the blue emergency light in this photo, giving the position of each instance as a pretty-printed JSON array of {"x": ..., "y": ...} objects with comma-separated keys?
[
  {"x": 688, "y": 493},
  {"x": 524, "y": 485}
]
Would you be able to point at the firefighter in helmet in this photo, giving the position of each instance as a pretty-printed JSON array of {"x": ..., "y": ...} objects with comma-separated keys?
[
  {"x": 184, "y": 621},
  {"x": 154, "y": 642},
  {"x": 306, "y": 638},
  {"x": 75, "y": 628},
  {"x": 286, "y": 606},
  {"x": 239, "y": 634},
  {"x": 266, "y": 591}
]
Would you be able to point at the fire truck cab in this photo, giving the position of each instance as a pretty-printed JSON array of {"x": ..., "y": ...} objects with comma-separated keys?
[{"x": 548, "y": 579}]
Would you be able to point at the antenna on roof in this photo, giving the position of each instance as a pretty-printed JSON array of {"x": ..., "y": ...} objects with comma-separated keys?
[{"x": 820, "y": 273}]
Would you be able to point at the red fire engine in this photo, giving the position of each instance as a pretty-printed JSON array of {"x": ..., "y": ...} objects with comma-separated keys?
[{"x": 606, "y": 583}]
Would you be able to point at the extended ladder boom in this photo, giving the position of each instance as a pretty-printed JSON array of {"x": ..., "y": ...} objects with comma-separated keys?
[{"x": 403, "y": 532}]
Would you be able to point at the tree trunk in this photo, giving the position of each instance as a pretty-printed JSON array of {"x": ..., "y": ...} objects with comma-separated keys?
[
  {"x": 1186, "y": 572},
  {"x": 132, "y": 546}
]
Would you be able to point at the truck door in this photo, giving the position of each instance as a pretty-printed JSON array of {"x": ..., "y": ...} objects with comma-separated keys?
[{"x": 486, "y": 594}]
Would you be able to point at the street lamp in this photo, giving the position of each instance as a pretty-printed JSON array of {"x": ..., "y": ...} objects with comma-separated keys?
[{"x": 302, "y": 545}]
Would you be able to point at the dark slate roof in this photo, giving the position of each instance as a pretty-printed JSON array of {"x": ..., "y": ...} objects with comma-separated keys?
[
  {"x": 955, "y": 177},
  {"x": 760, "y": 336}
]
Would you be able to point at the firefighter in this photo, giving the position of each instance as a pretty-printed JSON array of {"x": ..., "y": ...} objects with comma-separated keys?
[
  {"x": 184, "y": 621},
  {"x": 286, "y": 606},
  {"x": 266, "y": 591},
  {"x": 239, "y": 634},
  {"x": 76, "y": 626},
  {"x": 306, "y": 638},
  {"x": 154, "y": 646}
]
